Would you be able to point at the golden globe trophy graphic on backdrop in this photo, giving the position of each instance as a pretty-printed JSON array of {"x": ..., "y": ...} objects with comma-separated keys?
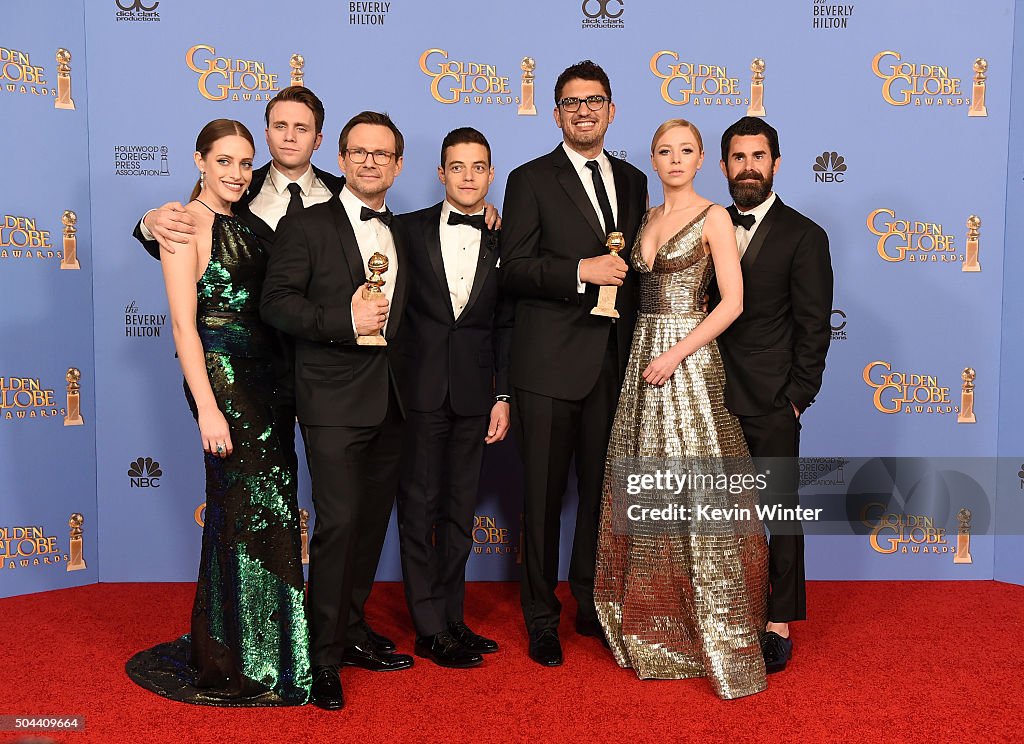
[
  {"x": 76, "y": 557},
  {"x": 966, "y": 415},
  {"x": 298, "y": 63},
  {"x": 377, "y": 265},
  {"x": 606, "y": 295},
  {"x": 978, "y": 107},
  {"x": 64, "y": 100},
  {"x": 73, "y": 417},
  {"x": 756, "y": 107},
  {"x": 70, "y": 259},
  {"x": 527, "y": 107},
  {"x": 304, "y": 532},
  {"x": 963, "y": 537},
  {"x": 971, "y": 255}
]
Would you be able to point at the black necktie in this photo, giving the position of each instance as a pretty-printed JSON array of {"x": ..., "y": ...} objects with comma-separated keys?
[
  {"x": 295, "y": 202},
  {"x": 746, "y": 221},
  {"x": 368, "y": 214},
  {"x": 602, "y": 196},
  {"x": 473, "y": 220}
]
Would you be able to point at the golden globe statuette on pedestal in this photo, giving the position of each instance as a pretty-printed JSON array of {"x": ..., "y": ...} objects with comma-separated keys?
[
  {"x": 298, "y": 63},
  {"x": 73, "y": 415},
  {"x": 978, "y": 107},
  {"x": 756, "y": 107},
  {"x": 971, "y": 255},
  {"x": 377, "y": 265},
  {"x": 526, "y": 103},
  {"x": 70, "y": 258},
  {"x": 76, "y": 558},
  {"x": 963, "y": 538},
  {"x": 64, "y": 100},
  {"x": 304, "y": 531},
  {"x": 966, "y": 415},
  {"x": 606, "y": 295}
]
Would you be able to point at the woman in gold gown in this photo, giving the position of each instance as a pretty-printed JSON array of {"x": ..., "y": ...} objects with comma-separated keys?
[{"x": 685, "y": 596}]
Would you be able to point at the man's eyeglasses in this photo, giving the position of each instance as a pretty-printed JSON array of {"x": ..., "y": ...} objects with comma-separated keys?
[
  {"x": 359, "y": 155},
  {"x": 594, "y": 103}
]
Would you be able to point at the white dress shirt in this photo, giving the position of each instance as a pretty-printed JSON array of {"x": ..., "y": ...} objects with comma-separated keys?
[
  {"x": 271, "y": 204},
  {"x": 460, "y": 251},
  {"x": 744, "y": 236},
  {"x": 372, "y": 237},
  {"x": 579, "y": 162}
]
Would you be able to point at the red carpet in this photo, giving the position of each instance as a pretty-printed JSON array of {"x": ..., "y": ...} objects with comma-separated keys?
[{"x": 878, "y": 661}]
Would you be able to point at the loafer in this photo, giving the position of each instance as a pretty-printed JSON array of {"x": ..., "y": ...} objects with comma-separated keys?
[
  {"x": 777, "y": 651},
  {"x": 368, "y": 657},
  {"x": 444, "y": 650},
  {"x": 471, "y": 640},
  {"x": 326, "y": 690},
  {"x": 546, "y": 649},
  {"x": 383, "y": 643}
]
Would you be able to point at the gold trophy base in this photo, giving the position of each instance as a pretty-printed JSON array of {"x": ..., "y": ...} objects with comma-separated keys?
[
  {"x": 967, "y": 418},
  {"x": 75, "y": 265},
  {"x": 983, "y": 111},
  {"x": 70, "y": 106},
  {"x": 606, "y": 302},
  {"x": 971, "y": 268},
  {"x": 376, "y": 340},
  {"x": 76, "y": 566},
  {"x": 752, "y": 111},
  {"x": 962, "y": 558},
  {"x": 527, "y": 111},
  {"x": 73, "y": 421}
]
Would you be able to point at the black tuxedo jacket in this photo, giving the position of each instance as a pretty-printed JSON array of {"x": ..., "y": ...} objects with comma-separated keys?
[
  {"x": 549, "y": 224},
  {"x": 438, "y": 355},
  {"x": 774, "y": 353},
  {"x": 314, "y": 269}
]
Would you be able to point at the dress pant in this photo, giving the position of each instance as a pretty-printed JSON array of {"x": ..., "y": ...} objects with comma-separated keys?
[
  {"x": 774, "y": 442},
  {"x": 354, "y": 474},
  {"x": 551, "y": 431},
  {"x": 437, "y": 493}
]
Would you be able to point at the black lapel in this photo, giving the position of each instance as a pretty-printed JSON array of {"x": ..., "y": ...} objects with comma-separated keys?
[
  {"x": 750, "y": 255},
  {"x": 570, "y": 181},
  {"x": 259, "y": 228},
  {"x": 432, "y": 243},
  {"x": 488, "y": 257},
  {"x": 349, "y": 244},
  {"x": 331, "y": 181},
  {"x": 397, "y": 309},
  {"x": 621, "y": 192},
  {"x": 255, "y": 186}
]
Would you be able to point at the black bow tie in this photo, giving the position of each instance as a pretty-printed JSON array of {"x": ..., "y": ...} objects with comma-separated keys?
[
  {"x": 368, "y": 214},
  {"x": 746, "y": 221},
  {"x": 473, "y": 220}
]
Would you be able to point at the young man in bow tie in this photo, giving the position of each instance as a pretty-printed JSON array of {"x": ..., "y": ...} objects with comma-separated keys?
[
  {"x": 774, "y": 353},
  {"x": 452, "y": 368}
]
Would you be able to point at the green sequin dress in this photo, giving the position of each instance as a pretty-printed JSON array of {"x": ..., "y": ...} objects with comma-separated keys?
[{"x": 249, "y": 639}]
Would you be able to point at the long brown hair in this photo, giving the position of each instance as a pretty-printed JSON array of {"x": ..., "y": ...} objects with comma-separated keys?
[{"x": 214, "y": 131}]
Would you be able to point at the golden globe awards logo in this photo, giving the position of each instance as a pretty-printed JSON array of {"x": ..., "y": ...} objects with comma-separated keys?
[
  {"x": 22, "y": 238},
  {"x": 913, "y": 534},
  {"x": 912, "y": 241},
  {"x": 23, "y": 398},
  {"x": 491, "y": 539},
  {"x": 696, "y": 84},
  {"x": 896, "y": 391},
  {"x": 29, "y": 546},
  {"x": 234, "y": 79},
  {"x": 19, "y": 75},
  {"x": 454, "y": 81},
  {"x": 912, "y": 83}
]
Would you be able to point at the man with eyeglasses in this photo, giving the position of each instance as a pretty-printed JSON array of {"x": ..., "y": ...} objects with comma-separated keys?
[
  {"x": 567, "y": 364},
  {"x": 347, "y": 398}
]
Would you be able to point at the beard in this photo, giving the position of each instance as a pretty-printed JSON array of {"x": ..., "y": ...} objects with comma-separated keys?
[
  {"x": 748, "y": 194},
  {"x": 583, "y": 140}
]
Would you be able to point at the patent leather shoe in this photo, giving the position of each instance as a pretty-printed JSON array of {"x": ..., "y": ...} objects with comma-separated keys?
[
  {"x": 545, "y": 648},
  {"x": 444, "y": 650},
  {"x": 471, "y": 640},
  {"x": 368, "y": 657},
  {"x": 326, "y": 690},
  {"x": 383, "y": 643}
]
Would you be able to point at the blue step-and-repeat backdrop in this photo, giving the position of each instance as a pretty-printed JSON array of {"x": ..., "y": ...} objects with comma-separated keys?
[{"x": 895, "y": 121}]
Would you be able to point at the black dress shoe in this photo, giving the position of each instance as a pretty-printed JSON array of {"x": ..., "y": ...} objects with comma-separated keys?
[
  {"x": 545, "y": 648},
  {"x": 471, "y": 640},
  {"x": 777, "y": 651},
  {"x": 368, "y": 657},
  {"x": 326, "y": 690},
  {"x": 444, "y": 650},
  {"x": 591, "y": 629},
  {"x": 382, "y": 643}
]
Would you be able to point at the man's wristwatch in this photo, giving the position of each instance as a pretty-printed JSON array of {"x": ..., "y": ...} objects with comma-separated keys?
[{"x": 502, "y": 398}]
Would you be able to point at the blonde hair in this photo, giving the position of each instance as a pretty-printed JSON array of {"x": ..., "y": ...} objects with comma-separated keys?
[{"x": 672, "y": 124}]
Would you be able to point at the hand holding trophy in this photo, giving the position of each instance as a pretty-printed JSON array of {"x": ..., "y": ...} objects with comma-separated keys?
[{"x": 377, "y": 265}]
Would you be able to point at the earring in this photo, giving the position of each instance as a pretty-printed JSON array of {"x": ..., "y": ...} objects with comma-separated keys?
[{"x": 202, "y": 179}]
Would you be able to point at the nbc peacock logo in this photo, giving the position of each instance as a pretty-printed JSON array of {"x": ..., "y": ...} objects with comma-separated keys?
[
  {"x": 829, "y": 167},
  {"x": 145, "y": 472}
]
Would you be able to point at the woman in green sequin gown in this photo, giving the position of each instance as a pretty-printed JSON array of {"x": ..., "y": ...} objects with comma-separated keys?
[
  {"x": 681, "y": 598},
  {"x": 249, "y": 641}
]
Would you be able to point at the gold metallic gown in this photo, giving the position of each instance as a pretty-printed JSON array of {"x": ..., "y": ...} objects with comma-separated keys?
[{"x": 680, "y": 599}]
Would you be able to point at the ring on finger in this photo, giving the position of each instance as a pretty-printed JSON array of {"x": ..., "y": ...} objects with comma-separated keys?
[{"x": 220, "y": 448}]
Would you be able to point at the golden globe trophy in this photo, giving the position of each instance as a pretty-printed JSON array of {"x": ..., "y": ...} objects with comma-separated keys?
[
  {"x": 978, "y": 107},
  {"x": 971, "y": 257},
  {"x": 756, "y": 107},
  {"x": 378, "y": 264},
  {"x": 963, "y": 537},
  {"x": 70, "y": 258},
  {"x": 73, "y": 416},
  {"x": 966, "y": 415},
  {"x": 298, "y": 63},
  {"x": 304, "y": 532},
  {"x": 76, "y": 559},
  {"x": 64, "y": 100},
  {"x": 606, "y": 295},
  {"x": 527, "y": 107}
]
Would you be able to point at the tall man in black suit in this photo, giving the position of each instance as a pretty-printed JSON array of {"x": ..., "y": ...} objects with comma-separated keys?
[
  {"x": 452, "y": 369},
  {"x": 774, "y": 353},
  {"x": 348, "y": 403},
  {"x": 567, "y": 365}
]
